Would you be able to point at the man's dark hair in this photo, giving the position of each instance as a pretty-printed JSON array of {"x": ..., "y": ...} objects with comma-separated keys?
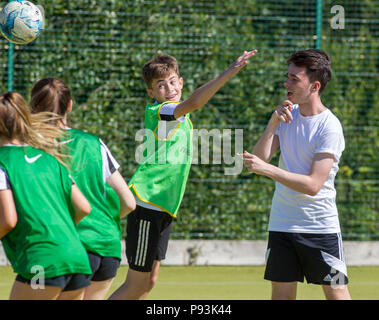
[{"x": 317, "y": 64}]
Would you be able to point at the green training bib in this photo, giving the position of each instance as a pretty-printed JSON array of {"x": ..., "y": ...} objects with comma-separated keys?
[
  {"x": 100, "y": 231},
  {"x": 45, "y": 234},
  {"x": 162, "y": 174}
]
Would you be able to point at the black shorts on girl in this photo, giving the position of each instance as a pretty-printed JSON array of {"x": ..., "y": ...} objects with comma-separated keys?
[
  {"x": 147, "y": 235},
  {"x": 103, "y": 268},
  {"x": 67, "y": 282}
]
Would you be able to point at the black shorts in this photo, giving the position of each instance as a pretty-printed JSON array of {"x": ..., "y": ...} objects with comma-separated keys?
[
  {"x": 147, "y": 235},
  {"x": 318, "y": 257},
  {"x": 103, "y": 268},
  {"x": 67, "y": 282}
]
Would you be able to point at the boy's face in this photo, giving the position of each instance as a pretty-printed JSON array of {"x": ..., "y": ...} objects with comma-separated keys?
[
  {"x": 298, "y": 86},
  {"x": 166, "y": 88}
]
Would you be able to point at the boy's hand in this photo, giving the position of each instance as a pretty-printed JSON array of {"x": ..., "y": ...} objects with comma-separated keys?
[
  {"x": 201, "y": 95},
  {"x": 242, "y": 61}
]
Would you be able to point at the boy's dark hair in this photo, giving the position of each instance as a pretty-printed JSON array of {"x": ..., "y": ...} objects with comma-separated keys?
[
  {"x": 317, "y": 64},
  {"x": 158, "y": 67}
]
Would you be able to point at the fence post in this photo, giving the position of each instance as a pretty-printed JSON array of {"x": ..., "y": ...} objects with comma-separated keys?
[
  {"x": 10, "y": 66},
  {"x": 318, "y": 23}
]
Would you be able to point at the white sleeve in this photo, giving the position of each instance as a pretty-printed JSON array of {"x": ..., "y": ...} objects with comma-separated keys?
[
  {"x": 110, "y": 165},
  {"x": 4, "y": 180},
  {"x": 331, "y": 142},
  {"x": 166, "y": 112},
  {"x": 331, "y": 139}
]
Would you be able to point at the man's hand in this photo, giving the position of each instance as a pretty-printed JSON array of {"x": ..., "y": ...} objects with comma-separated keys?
[
  {"x": 253, "y": 163},
  {"x": 283, "y": 112}
]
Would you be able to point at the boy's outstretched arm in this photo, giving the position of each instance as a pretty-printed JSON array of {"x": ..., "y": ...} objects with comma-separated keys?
[{"x": 202, "y": 95}]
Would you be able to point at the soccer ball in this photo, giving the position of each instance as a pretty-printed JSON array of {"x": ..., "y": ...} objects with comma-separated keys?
[{"x": 21, "y": 22}]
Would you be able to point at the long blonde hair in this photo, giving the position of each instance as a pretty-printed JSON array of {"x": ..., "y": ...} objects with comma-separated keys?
[{"x": 36, "y": 130}]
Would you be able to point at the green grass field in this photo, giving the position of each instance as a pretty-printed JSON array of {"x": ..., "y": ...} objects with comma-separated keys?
[{"x": 227, "y": 283}]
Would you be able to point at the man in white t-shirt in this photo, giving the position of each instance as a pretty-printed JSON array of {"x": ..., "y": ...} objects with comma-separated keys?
[{"x": 304, "y": 231}]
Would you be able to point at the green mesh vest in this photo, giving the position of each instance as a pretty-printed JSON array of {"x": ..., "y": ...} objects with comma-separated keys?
[
  {"x": 45, "y": 233},
  {"x": 100, "y": 231},
  {"x": 163, "y": 169}
]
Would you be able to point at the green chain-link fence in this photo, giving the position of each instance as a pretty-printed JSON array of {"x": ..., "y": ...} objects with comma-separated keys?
[{"x": 99, "y": 48}]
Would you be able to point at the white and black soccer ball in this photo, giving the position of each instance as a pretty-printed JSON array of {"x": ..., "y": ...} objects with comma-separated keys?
[{"x": 21, "y": 22}]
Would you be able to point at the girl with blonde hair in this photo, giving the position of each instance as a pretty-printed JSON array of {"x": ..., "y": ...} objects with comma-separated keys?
[
  {"x": 39, "y": 207},
  {"x": 96, "y": 173}
]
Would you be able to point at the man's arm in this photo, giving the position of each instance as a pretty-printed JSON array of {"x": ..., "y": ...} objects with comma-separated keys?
[
  {"x": 202, "y": 95},
  {"x": 308, "y": 184},
  {"x": 268, "y": 143}
]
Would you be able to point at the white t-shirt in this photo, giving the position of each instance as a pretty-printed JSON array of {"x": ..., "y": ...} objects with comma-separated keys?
[{"x": 292, "y": 211}]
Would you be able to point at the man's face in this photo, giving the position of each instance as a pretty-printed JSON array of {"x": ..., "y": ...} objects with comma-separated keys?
[
  {"x": 166, "y": 88},
  {"x": 299, "y": 88}
]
